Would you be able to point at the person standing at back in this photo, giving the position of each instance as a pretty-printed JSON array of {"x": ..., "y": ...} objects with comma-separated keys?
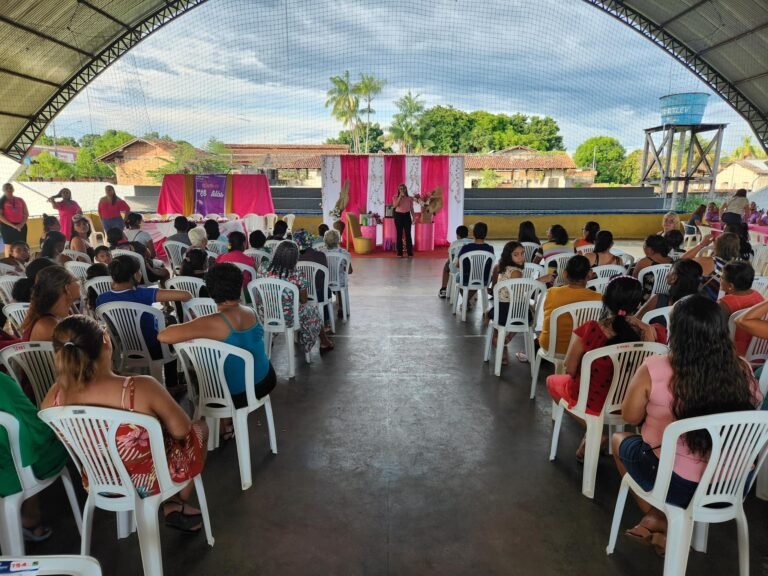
[
  {"x": 403, "y": 207},
  {"x": 112, "y": 209},
  {"x": 13, "y": 218},
  {"x": 67, "y": 209}
]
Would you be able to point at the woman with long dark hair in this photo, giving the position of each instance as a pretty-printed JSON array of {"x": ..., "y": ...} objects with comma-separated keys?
[
  {"x": 50, "y": 224},
  {"x": 53, "y": 248},
  {"x": 694, "y": 379},
  {"x": 81, "y": 233},
  {"x": 403, "y": 207},
  {"x": 510, "y": 266},
  {"x": 727, "y": 247},
  {"x": 54, "y": 292},
  {"x": 601, "y": 255},
  {"x": 589, "y": 233},
  {"x": 526, "y": 232},
  {"x": 684, "y": 279},
  {"x": 557, "y": 242},
  {"x": 111, "y": 209},
  {"x": 13, "y": 218},
  {"x": 698, "y": 215},
  {"x": 134, "y": 233},
  {"x": 67, "y": 208},
  {"x": 617, "y": 325}
]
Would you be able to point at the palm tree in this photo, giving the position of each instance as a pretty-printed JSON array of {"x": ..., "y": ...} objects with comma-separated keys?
[
  {"x": 747, "y": 150},
  {"x": 345, "y": 105},
  {"x": 368, "y": 87},
  {"x": 404, "y": 129}
]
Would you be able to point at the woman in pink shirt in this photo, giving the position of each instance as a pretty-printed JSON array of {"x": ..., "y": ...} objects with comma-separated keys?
[
  {"x": 403, "y": 206},
  {"x": 236, "y": 255},
  {"x": 112, "y": 208},
  {"x": 13, "y": 218},
  {"x": 692, "y": 380},
  {"x": 67, "y": 208}
]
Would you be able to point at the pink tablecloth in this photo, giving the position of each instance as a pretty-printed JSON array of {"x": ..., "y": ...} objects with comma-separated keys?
[{"x": 159, "y": 231}]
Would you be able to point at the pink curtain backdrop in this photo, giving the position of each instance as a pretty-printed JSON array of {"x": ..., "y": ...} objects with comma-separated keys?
[
  {"x": 171, "y": 199},
  {"x": 434, "y": 173},
  {"x": 251, "y": 195},
  {"x": 355, "y": 169},
  {"x": 394, "y": 175}
]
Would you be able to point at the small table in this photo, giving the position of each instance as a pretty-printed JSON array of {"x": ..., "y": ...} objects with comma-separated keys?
[
  {"x": 369, "y": 232},
  {"x": 390, "y": 234}
]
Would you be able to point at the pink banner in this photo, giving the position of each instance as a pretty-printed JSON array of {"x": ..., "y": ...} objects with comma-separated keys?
[
  {"x": 251, "y": 195},
  {"x": 394, "y": 175},
  {"x": 434, "y": 173},
  {"x": 210, "y": 191},
  {"x": 355, "y": 169},
  {"x": 171, "y": 199}
]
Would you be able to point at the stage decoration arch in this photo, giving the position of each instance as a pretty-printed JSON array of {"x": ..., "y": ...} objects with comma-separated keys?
[{"x": 239, "y": 194}]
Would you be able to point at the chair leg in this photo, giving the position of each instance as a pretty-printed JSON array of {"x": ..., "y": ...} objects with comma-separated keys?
[
  {"x": 464, "y": 304},
  {"x": 213, "y": 432},
  {"x": 344, "y": 304},
  {"x": 500, "y": 346},
  {"x": 742, "y": 532},
  {"x": 332, "y": 316},
  {"x": 291, "y": 346},
  {"x": 591, "y": 456},
  {"x": 85, "y": 538},
  {"x": 202, "y": 502},
  {"x": 11, "y": 538},
  {"x": 618, "y": 511},
  {"x": 762, "y": 481},
  {"x": 125, "y": 524},
  {"x": 243, "y": 447},
  {"x": 148, "y": 527},
  {"x": 679, "y": 532},
  {"x": 488, "y": 342},
  {"x": 557, "y": 416},
  {"x": 268, "y": 344},
  {"x": 270, "y": 425},
  {"x": 535, "y": 375},
  {"x": 700, "y": 536},
  {"x": 66, "y": 479}
]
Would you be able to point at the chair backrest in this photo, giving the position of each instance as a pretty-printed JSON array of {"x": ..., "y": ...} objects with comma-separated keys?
[
  {"x": 760, "y": 284},
  {"x": 175, "y": 251},
  {"x": 587, "y": 248},
  {"x": 533, "y": 271},
  {"x": 77, "y": 256},
  {"x": 705, "y": 230},
  {"x": 7, "y": 269},
  {"x": 598, "y": 284},
  {"x": 662, "y": 312},
  {"x": 123, "y": 320},
  {"x": 270, "y": 220},
  {"x": 479, "y": 262},
  {"x": 338, "y": 268},
  {"x": 267, "y": 297},
  {"x": 198, "y": 307},
  {"x": 33, "y": 359},
  {"x": 78, "y": 269},
  {"x": 261, "y": 258},
  {"x": 609, "y": 270},
  {"x": 189, "y": 283},
  {"x": 138, "y": 258},
  {"x": 732, "y": 321},
  {"x": 560, "y": 261},
  {"x": 310, "y": 270},
  {"x": 289, "y": 218},
  {"x": 205, "y": 359},
  {"x": 88, "y": 433},
  {"x": 627, "y": 259},
  {"x": 16, "y": 312},
  {"x": 272, "y": 244},
  {"x": 196, "y": 217},
  {"x": 218, "y": 247},
  {"x": 579, "y": 312},
  {"x": 521, "y": 291},
  {"x": 760, "y": 259},
  {"x": 244, "y": 268},
  {"x": 25, "y": 474},
  {"x": 253, "y": 222},
  {"x": 6, "y": 288},
  {"x": 233, "y": 216},
  {"x": 757, "y": 351},
  {"x": 213, "y": 216},
  {"x": 739, "y": 447},
  {"x": 99, "y": 285},
  {"x": 690, "y": 229},
  {"x": 530, "y": 250},
  {"x": 659, "y": 273},
  {"x": 60, "y": 565},
  {"x": 626, "y": 359}
]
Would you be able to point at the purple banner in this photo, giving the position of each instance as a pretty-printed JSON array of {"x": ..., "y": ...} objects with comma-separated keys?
[{"x": 209, "y": 193}]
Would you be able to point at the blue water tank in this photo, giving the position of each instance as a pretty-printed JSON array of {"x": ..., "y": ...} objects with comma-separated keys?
[{"x": 685, "y": 108}]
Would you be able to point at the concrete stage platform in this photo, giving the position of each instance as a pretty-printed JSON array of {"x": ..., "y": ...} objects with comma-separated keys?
[{"x": 401, "y": 454}]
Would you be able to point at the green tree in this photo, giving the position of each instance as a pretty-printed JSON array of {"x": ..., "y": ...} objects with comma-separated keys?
[
  {"x": 46, "y": 166},
  {"x": 631, "y": 168},
  {"x": 405, "y": 130},
  {"x": 46, "y": 140},
  {"x": 489, "y": 179},
  {"x": 108, "y": 141},
  {"x": 608, "y": 156},
  {"x": 186, "y": 159},
  {"x": 747, "y": 150},
  {"x": 375, "y": 144},
  {"x": 345, "y": 105},
  {"x": 447, "y": 127},
  {"x": 368, "y": 87},
  {"x": 87, "y": 167}
]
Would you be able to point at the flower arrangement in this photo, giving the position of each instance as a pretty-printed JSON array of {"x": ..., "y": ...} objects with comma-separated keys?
[
  {"x": 430, "y": 203},
  {"x": 374, "y": 218},
  {"x": 341, "y": 203}
]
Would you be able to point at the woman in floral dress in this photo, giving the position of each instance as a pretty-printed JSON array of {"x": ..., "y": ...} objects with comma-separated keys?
[{"x": 283, "y": 267}]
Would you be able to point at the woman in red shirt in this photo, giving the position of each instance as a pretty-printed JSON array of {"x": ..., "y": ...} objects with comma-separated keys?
[
  {"x": 67, "y": 209},
  {"x": 13, "y": 218},
  {"x": 112, "y": 208}
]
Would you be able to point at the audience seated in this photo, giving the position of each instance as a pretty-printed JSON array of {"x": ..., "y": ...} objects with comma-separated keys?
[
  {"x": 236, "y": 255},
  {"x": 462, "y": 233},
  {"x": 235, "y": 324},
  {"x": 198, "y": 237},
  {"x": 50, "y": 224},
  {"x": 80, "y": 237},
  {"x": 726, "y": 248},
  {"x": 310, "y": 324},
  {"x": 279, "y": 230},
  {"x": 118, "y": 241},
  {"x": 18, "y": 257},
  {"x": 83, "y": 355},
  {"x": 712, "y": 214},
  {"x": 510, "y": 266},
  {"x": 526, "y": 232},
  {"x": 621, "y": 301},
  {"x": 601, "y": 255},
  {"x": 697, "y": 216},
  {"x": 257, "y": 239},
  {"x": 322, "y": 229},
  {"x": 671, "y": 221},
  {"x": 684, "y": 279},
  {"x": 589, "y": 233},
  {"x": 674, "y": 240},
  {"x": 134, "y": 233},
  {"x": 181, "y": 225},
  {"x": 736, "y": 283},
  {"x": 557, "y": 243},
  {"x": 479, "y": 232},
  {"x": 212, "y": 231},
  {"x": 52, "y": 248},
  {"x": 97, "y": 270},
  {"x": 102, "y": 254},
  {"x": 692, "y": 380},
  {"x": 22, "y": 289},
  {"x": 575, "y": 290},
  {"x": 742, "y": 231},
  {"x": 656, "y": 252},
  {"x": 304, "y": 240},
  {"x": 54, "y": 292},
  {"x": 195, "y": 263}
]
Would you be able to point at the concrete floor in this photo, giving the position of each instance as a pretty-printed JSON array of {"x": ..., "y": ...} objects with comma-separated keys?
[{"x": 401, "y": 454}]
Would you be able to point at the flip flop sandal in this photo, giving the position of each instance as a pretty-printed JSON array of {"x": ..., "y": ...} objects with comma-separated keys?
[
  {"x": 31, "y": 535},
  {"x": 640, "y": 535},
  {"x": 522, "y": 358},
  {"x": 187, "y": 523},
  {"x": 441, "y": 294}
]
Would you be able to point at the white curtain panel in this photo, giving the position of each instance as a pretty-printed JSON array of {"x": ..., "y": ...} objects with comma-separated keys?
[
  {"x": 455, "y": 195},
  {"x": 376, "y": 184},
  {"x": 331, "y": 175}
]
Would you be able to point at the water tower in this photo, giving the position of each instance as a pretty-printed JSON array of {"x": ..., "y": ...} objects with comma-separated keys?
[{"x": 682, "y": 149}]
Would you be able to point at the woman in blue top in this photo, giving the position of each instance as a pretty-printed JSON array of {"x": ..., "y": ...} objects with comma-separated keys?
[{"x": 235, "y": 324}]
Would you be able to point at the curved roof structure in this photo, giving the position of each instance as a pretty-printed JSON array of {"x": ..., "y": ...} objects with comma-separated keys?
[{"x": 52, "y": 49}]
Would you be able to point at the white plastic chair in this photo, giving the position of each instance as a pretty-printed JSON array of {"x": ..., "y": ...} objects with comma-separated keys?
[
  {"x": 453, "y": 253},
  {"x": 267, "y": 297},
  {"x": 760, "y": 284},
  {"x": 7, "y": 269},
  {"x": 288, "y": 219},
  {"x": 100, "y": 284},
  {"x": 531, "y": 248},
  {"x": 659, "y": 273},
  {"x": 739, "y": 446},
  {"x": 521, "y": 317},
  {"x": 205, "y": 359},
  {"x": 586, "y": 249},
  {"x": 271, "y": 245},
  {"x": 11, "y": 535},
  {"x": 533, "y": 271},
  {"x": 691, "y": 236},
  {"x": 77, "y": 256},
  {"x": 89, "y": 433},
  {"x": 175, "y": 251},
  {"x": 762, "y": 476},
  {"x": 33, "y": 359},
  {"x": 760, "y": 259},
  {"x": 213, "y": 216},
  {"x": 196, "y": 217},
  {"x": 217, "y": 247},
  {"x": 191, "y": 284},
  {"x": 6, "y": 288},
  {"x": 68, "y": 565},
  {"x": 310, "y": 270},
  {"x": 233, "y": 216},
  {"x": 123, "y": 320},
  {"x": 579, "y": 312},
  {"x": 78, "y": 269},
  {"x": 261, "y": 258},
  {"x": 16, "y": 313},
  {"x": 479, "y": 262},
  {"x": 626, "y": 359},
  {"x": 627, "y": 259},
  {"x": 609, "y": 270},
  {"x": 254, "y": 222},
  {"x": 269, "y": 220},
  {"x": 560, "y": 261},
  {"x": 732, "y": 322},
  {"x": 598, "y": 284},
  {"x": 338, "y": 280},
  {"x": 662, "y": 312},
  {"x": 138, "y": 258},
  {"x": 198, "y": 307},
  {"x": 244, "y": 268}
]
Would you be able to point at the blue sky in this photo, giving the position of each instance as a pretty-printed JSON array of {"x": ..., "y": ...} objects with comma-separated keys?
[{"x": 257, "y": 70}]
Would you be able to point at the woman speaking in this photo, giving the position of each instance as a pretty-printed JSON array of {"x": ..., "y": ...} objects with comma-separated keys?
[{"x": 403, "y": 206}]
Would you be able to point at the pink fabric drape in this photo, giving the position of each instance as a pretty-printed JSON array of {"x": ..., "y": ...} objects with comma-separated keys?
[
  {"x": 394, "y": 175},
  {"x": 171, "y": 200},
  {"x": 251, "y": 195},
  {"x": 434, "y": 173},
  {"x": 355, "y": 169}
]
